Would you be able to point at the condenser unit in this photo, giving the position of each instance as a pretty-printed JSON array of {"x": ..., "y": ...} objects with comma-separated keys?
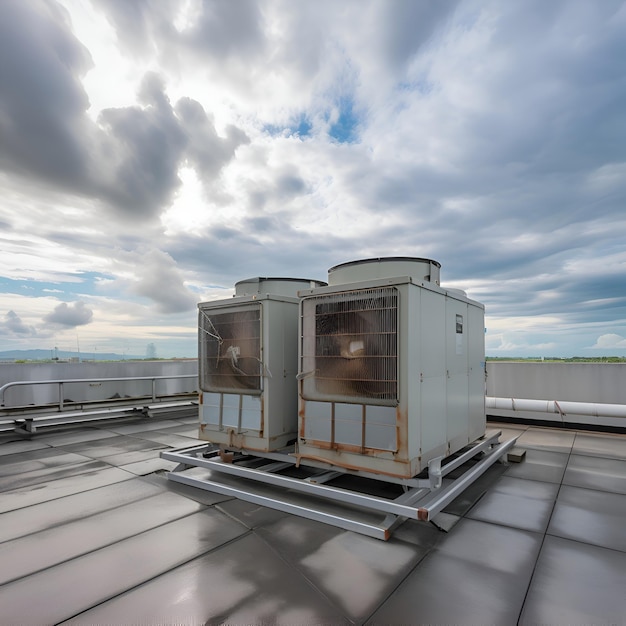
[
  {"x": 248, "y": 358},
  {"x": 391, "y": 368}
]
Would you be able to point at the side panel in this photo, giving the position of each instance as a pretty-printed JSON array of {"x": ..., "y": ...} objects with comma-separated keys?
[
  {"x": 411, "y": 352},
  {"x": 380, "y": 428},
  {"x": 317, "y": 421},
  {"x": 211, "y": 409},
  {"x": 457, "y": 387},
  {"x": 476, "y": 337},
  {"x": 280, "y": 358},
  {"x": 433, "y": 372},
  {"x": 348, "y": 424}
]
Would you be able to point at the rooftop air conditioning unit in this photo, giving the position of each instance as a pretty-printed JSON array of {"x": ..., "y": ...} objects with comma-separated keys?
[
  {"x": 392, "y": 370},
  {"x": 248, "y": 358}
]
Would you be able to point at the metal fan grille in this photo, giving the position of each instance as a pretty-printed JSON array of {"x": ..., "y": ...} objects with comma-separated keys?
[
  {"x": 350, "y": 345},
  {"x": 230, "y": 350}
]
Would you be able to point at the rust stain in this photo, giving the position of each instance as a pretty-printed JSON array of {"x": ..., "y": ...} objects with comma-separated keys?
[
  {"x": 301, "y": 418},
  {"x": 226, "y": 457},
  {"x": 347, "y": 448},
  {"x": 235, "y": 439},
  {"x": 402, "y": 432},
  {"x": 363, "y": 433},
  {"x": 262, "y": 417},
  {"x": 422, "y": 515},
  {"x": 323, "y": 445},
  {"x": 356, "y": 449},
  {"x": 348, "y": 466}
]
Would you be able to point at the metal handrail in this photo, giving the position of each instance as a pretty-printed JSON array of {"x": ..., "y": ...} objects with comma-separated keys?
[{"x": 60, "y": 383}]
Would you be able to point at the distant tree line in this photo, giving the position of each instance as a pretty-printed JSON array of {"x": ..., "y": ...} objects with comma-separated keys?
[{"x": 558, "y": 359}]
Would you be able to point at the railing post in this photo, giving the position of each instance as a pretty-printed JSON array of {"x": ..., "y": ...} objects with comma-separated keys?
[
  {"x": 154, "y": 390},
  {"x": 60, "y": 396}
]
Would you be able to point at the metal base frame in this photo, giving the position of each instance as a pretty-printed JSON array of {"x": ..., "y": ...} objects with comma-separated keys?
[{"x": 255, "y": 477}]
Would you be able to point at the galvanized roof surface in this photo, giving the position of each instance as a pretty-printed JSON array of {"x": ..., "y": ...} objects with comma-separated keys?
[{"x": 92, "y": 532}]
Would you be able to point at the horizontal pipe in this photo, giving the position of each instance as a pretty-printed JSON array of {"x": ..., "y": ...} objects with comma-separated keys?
[{"x": 559, "y": 407}]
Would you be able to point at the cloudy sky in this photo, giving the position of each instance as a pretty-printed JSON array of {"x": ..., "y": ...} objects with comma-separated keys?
[{"x": 154, "y": 152}]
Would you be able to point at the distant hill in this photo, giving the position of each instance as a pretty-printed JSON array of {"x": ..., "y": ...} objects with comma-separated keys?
[{"x": 47, "y": 355}]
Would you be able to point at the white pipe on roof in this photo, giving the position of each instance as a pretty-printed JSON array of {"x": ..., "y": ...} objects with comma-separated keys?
[{"x": 557, "y": 406}]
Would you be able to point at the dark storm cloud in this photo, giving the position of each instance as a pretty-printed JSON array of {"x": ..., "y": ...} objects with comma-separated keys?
[
  {"x": 42, "y": 100},
  {"x": 206, "y": 151},
  {"x": 70, "y": 315},
  {"x": 130, "y": 159},
  {"x": 147, "y": 145}
]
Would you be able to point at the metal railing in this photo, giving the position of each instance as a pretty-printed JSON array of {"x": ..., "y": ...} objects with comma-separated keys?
[
  {"x": 61, "y": 382},
  {"x": 28, "y": 419}
]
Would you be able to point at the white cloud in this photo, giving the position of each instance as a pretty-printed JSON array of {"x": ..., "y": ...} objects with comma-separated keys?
[
  {"x": 69, "y": 315},
  {"x": 503, "y": 344},
  {"x": 153, "y": 274},
  {"x": 610, "y": 341},
  {"x": 14, "y": 325}
]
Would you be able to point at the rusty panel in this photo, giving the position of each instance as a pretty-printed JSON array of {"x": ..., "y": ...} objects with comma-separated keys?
[{"x": 341, "y": 426}]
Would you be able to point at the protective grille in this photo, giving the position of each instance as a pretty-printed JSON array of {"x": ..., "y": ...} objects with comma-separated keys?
[
  {"x": 230, "y": 350},
  {"x": 349, "y": 346}
]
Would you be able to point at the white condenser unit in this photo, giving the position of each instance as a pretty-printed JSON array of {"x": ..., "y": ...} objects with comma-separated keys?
[
  {"x": 248, "y": 359},
  {"x": 392, "y": 368}
]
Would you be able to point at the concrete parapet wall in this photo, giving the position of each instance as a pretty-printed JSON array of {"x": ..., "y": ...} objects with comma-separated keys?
[{"x": 574, "y": 382}]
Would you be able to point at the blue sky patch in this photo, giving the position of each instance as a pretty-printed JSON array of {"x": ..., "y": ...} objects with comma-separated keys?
[
  {"x": 344, "y": 130},
  {"x": 81, "y": 283},
  {"x": 300, "y": 127}
]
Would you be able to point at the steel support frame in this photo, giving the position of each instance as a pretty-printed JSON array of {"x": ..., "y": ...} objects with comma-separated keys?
[{"x": 421, "y": 500}]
